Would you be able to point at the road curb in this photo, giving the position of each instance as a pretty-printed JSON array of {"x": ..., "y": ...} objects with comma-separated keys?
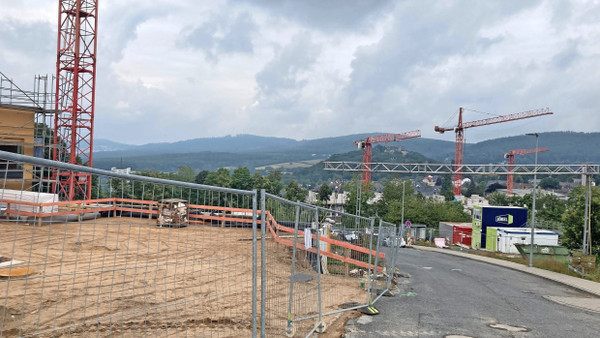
[{"x": 580, "y": 284}]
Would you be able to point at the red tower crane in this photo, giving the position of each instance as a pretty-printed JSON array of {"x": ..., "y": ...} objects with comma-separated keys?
[
  {"x": 367, "y": 146},
  {"x": 511, "y": 161},
  {"x": 75, "y": 95},
  {"x": 460, "y": 130}
]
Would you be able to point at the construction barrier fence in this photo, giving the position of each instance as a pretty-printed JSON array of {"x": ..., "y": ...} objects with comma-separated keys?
[{"x": 153, "y": 257}]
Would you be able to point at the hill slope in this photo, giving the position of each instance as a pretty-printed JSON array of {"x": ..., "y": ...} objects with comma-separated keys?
[{"x": 254, "y": 151}]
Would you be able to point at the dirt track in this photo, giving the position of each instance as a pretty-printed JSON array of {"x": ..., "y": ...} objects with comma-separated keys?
[{"x": 127, "y": 277}]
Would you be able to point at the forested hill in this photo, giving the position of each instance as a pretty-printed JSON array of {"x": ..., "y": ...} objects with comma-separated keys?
[
  {"x": 256, "y": 151},
  {"x": 563, "y": 147}
]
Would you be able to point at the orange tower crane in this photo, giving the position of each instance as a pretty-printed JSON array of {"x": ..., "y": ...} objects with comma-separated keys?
[
  {"x": 367, "y": 146},
  {"x": 511, "y": 161},
  {"x": 460, "y": 130}
]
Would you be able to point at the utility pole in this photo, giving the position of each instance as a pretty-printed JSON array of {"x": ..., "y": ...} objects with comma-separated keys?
[
  {"x": 534, "y": 193},
  {"x": 586, "y": 217},
  {"x": 402, "y": 217}
]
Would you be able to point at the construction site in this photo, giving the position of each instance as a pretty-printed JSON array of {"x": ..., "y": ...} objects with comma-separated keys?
[{"x": 93, "y": 252}]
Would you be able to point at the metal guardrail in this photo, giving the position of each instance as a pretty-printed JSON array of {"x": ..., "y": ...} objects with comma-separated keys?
[{"x": 112, "y": 269}]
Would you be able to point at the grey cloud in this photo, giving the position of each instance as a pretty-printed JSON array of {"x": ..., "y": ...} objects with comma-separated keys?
[
  {"x": 424, "y": 34},
  {"x": 28, "y": 37},
  {"x": 223, "y": 35},
  {"x": 239, "y": 37},
  {"x": 118, "y": 24},
  {"x": 330, "y": 15},
  {"x": 27, "y": 49},
  {"x": 202, "y": 37},
  {"x": 283, "y": 86},
  {"x": 282, "y": 73},
  {"x": 567, "y": 57}
]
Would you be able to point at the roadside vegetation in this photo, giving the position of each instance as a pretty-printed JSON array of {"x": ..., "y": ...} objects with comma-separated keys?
[{"x": 551, "y": 212}]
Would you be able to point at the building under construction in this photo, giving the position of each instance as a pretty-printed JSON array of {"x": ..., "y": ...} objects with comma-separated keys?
[{"x": 25, "y": 128}]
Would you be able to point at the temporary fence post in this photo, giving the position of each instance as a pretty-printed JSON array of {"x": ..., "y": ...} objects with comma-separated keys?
[
  {"x": 402, "y": 232},
  {"x": 346, "y": 264},
  {"x": 377, "y": 251},
  {"x": 263, "y": 266},
  {"x": 320, "y": 324},
  {"x": 396, "y": 243},
  {"x": 369, "y": 281},
  {"x": 289, "y": 328},
  {"x": 254, "y": 259}
]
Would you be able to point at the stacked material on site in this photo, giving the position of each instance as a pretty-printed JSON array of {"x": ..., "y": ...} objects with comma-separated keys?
[{"x": 30, "y": 197}]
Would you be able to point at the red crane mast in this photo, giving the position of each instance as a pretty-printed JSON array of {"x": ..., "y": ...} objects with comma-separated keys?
[
  {"x": 511, "y": 161},
  {"x": 75, "y": 95},
  {"x": 367, "y": 146},
  {"x": 460, "y": 130}
]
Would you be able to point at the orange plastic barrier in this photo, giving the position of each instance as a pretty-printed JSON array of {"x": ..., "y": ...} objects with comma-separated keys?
[
  {"x": 147, "y": 208},
  {"x": 272, "y": 223}
]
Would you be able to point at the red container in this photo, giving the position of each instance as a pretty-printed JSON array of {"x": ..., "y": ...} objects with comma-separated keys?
[{"x": 462, "y": 234}]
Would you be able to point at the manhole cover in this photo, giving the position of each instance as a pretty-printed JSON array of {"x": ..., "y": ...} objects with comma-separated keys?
[{"x": 508, "y": 328}]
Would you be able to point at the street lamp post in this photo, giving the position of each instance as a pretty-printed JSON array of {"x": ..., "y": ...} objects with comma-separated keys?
[
  {"x": 534, "y": 193},
  {"x": 402, "y": 218}
]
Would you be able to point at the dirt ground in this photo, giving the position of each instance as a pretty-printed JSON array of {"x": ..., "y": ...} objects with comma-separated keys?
[{"x": 128, "y": 277}]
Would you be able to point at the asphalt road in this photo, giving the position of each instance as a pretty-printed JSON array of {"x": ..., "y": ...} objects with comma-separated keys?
[{"x": 448, "y": 296}]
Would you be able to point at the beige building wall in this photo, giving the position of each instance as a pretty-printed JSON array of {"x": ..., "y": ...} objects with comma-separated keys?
[{"x": 17, "y": 128}]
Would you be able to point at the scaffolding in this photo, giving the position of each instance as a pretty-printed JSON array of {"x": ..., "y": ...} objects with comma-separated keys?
[{"x": 26, "y": 128}]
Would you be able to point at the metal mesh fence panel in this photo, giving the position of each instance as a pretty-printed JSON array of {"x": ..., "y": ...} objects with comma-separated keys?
[
  {"x": 152, "y": 257},
  {"x": 387, "y": 243},
  {"x": 328, "y": 273},
  {"x": 144, "y": 257},
  {"x": 350, "y": 250},
  {"x": 291, "y": 293}
]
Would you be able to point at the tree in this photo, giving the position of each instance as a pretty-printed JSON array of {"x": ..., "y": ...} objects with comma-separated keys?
[
  {"x": 274, "y": 179},
  {"x": 219, "y": 178},
  {"x": 550, "y": 183},
  {"x": 498, "y": 198},
  {"x": 352, "y": 187},
  {"x": 549, "y": 208},
  {"x": 241, "y": 179},
  {"x": 573, "y": 219},
  {"x": 324, "y": 192},
  {"x": 447, "y": 188},
  {"x": 185, "y": 174},
  {"x": 201, "y": 177},
  {"x": 425, "y": 211},
  {"x": 294, "y": 192},
  {"x": 471, "y": 189},
  {"x": 259, "y": 182}
]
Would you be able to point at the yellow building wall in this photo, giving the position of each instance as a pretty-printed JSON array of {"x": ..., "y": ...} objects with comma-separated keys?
[{"x": 17, "y": 127}]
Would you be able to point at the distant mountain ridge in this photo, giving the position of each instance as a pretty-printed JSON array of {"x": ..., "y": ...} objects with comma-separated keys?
[
  {"x": 251, "y": 143},
  {"x": 253, "y": 151}
]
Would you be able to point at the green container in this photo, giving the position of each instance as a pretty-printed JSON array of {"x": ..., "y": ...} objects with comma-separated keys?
[
  {"x": 558, "y": 253},
  {"x": 476, "y": 236},
  {"x": 491, "y": 239}
]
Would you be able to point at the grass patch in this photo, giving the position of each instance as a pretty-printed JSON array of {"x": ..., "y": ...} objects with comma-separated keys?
[{"x": 546, "y": 264}]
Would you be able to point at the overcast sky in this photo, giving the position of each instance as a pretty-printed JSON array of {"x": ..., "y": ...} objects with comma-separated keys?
[{"x": 171, "y": 70}]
